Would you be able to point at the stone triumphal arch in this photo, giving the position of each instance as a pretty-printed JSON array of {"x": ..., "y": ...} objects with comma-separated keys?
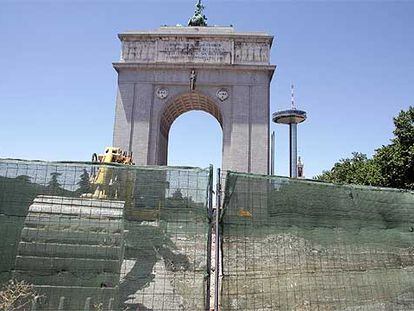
[{"x": 165, "y": 73}]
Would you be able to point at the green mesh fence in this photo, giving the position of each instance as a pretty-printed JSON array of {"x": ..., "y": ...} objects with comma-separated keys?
[
  {"x": 141, "y": 246},
  {"x": 303, "y": 245},
  {"x": 145, "y": 245}
]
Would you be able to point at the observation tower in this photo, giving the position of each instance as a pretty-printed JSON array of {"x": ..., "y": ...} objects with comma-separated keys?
[{"x": 292, "y": 117}]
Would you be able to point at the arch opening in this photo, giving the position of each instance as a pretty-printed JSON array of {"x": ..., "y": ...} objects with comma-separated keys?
[
  {"x": 195, "y": 139},
  {"x": 185, "y": 103},
  {"x": 204, "y": 111}
]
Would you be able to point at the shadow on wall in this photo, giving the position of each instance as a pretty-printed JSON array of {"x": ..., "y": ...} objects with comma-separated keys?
[
  {"x": 159, "y": 261},
  {"x": 16, "y": 195}
]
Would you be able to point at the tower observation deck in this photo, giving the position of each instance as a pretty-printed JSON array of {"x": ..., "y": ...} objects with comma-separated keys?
[{"x": 292, "y": 117}]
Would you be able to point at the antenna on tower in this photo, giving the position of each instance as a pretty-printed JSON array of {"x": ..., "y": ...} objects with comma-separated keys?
[{"x": 292, "y": 94}]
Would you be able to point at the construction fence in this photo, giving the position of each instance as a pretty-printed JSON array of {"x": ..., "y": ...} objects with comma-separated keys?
[
  {"x": 304, "y": 245},
  {"x": 146, "y": 241},
  {"x": 141, "y": 245}
]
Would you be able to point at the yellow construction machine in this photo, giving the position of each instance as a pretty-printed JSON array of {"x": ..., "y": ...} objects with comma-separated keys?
[{"x": 104, "y": 177}]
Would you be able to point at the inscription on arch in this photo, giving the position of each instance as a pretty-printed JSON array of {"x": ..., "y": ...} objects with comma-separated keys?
[{"x": 195, "y": 50}]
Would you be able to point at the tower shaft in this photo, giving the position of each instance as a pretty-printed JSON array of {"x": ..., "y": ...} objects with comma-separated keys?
[{"x": 293, "y": 148}]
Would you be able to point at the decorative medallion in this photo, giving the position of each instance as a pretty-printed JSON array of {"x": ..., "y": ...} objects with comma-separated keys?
[
  {"x": 222, "y": 94},
  {"x": 162, "y": 93}
]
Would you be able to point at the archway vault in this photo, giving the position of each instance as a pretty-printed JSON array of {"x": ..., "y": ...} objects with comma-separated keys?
[{"x": 184, "y": 103}]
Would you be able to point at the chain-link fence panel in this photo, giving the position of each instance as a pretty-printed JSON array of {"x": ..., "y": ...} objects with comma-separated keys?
[
  {"x": 305, "y": 245},
  {"x": 82, "y": 236}
]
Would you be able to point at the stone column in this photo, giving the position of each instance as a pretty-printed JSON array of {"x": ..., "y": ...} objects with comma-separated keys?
[
  {"x": 259, "y": 129},
  {"x": 240, "y": 134},
  {"x": 123, "y": 116},
  {"x": 141, "y": 126}
]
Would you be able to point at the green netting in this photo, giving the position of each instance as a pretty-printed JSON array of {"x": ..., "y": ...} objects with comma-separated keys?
[
  {"x": 143, "y": 247},
  {"x": 286, "y": 244},
  {"x": 304, "y": 245}
]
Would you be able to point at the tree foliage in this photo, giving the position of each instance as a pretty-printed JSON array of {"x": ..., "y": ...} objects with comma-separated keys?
[
  {"x": 53, "y": 186},
  {"x": 396, "y": 160},
  {"x": 356, "y": 170},
  {"x": 177, "y": 195},
  {"x": 84, "y": 183},
  {"x": 24, "y": 179},
  {"x": 391, "y": 166}
]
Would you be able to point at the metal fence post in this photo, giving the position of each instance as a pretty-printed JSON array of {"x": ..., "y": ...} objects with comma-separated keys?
[
  {"x": 209, "y": 237},
  {"x": 217, "y": 241}
]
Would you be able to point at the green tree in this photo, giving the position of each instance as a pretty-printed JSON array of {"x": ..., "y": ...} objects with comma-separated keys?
[
  {"x": 84, "y": 183},
  {"x": 23, "y": 179},
  {"x": 54, "y": 187},
  {"x": 396, "y": 160},
  {"x": 178, "y": 200},
  {"x": 356, "y": 170},
  {"x": 391, "y": 166},
  {"x": 177, "y": 195}
]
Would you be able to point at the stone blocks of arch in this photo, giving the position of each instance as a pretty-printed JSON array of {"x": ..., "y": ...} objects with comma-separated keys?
[
  {"x": 143, "y": 120},
  {"x": 153, "y": 92}
]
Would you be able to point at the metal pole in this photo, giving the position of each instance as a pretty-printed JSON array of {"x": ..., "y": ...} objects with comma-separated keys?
[
  {"x": 209, "y": 238},
  {"x": 272, "y": 154},
  {"x": 217, "y": 242},
  {"x": 293, "y": 137}
]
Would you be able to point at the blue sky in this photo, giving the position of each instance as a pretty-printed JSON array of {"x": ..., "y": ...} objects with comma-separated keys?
[{"x": 352, "y": 64}]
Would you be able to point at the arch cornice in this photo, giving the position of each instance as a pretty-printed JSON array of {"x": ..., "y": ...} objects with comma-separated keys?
[{"x": 131, "y": 66}]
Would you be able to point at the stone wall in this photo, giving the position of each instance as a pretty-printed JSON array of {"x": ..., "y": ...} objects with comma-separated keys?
[{"x": 193, "y": 68}]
